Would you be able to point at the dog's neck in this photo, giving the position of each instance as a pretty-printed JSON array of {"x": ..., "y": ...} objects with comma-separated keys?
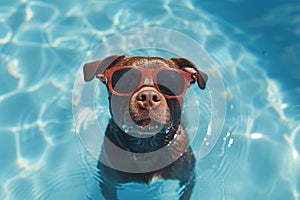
[{"x": 142, "y": 145}]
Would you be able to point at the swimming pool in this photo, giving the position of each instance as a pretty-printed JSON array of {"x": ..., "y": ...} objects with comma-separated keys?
[{"x": 253, "y": 45}]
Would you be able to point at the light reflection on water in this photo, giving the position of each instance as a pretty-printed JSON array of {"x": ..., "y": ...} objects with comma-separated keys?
[{"x": 42, "y": 46}]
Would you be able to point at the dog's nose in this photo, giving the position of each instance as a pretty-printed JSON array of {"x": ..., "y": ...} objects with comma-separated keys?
[{"x": 148, "y": 98}]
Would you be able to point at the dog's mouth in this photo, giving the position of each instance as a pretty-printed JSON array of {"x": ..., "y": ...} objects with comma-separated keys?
[
  {"x": 148, "y": 124},
  {"x": 146, "y": 127},
  {"x": 144, "y": 121}
]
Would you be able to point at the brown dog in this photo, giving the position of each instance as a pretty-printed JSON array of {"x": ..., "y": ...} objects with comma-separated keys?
[{"x": 145, "y": 97}]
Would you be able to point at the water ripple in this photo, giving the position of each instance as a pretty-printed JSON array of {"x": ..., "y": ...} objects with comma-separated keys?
[
  {"x": 40, "y": 14},
  {"x": 5, "y": 33}
]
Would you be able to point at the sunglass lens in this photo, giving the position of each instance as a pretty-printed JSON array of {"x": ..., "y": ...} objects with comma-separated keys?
[
  {"x": 126, "y": 81},
  {"x": 170, "y": 83}
]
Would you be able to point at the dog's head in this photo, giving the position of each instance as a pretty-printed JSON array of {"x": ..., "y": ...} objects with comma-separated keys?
[{"x": 145, "y": 93}]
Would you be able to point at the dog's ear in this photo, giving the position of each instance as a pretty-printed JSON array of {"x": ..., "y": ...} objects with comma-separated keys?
[
  {"x": 97, "y": 68},
  {"x": 189, "y": 67}
]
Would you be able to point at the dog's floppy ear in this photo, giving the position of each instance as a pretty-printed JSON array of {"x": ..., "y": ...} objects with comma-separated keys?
[
  {"x": 97, "y": 68},
  {"x": 189, "y": 67}
]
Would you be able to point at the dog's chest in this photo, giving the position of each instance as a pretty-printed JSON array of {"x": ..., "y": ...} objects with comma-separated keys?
[
  {"x": 147, "y": 178},
  {"x": 155, "y": 178},
  {"x": 161, "y": 189}
]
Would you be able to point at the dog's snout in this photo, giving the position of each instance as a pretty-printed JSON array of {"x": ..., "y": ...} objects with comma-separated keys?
[{"x": 148, "y": 98}]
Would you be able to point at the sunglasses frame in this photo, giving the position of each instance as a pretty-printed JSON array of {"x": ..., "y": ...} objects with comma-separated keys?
[{"x": 145, "y": 73}]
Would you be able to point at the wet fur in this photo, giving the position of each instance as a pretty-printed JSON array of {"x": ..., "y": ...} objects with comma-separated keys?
[{"x": 169, "y": 114}]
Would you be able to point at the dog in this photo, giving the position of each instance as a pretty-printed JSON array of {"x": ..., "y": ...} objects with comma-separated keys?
[{"x": 145, "y": 102}]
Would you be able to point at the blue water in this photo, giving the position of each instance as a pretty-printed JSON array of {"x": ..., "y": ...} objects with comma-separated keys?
[{"x": 254, "y": 46}]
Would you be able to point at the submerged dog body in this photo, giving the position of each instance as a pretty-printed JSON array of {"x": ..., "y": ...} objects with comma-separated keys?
[{"x": 145, "y": 98}]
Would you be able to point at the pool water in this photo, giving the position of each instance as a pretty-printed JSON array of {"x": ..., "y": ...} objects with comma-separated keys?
[{"x": 254, "y": 46}]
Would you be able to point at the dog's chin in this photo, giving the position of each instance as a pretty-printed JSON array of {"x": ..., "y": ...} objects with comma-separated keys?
[{"x": 146, "y": 128}]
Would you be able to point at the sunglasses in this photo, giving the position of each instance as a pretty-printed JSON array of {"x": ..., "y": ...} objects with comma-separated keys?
[{"x": 124, "y": 81}]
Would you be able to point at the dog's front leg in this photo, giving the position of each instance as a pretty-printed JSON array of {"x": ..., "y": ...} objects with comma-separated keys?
[
  {"x": 188, "y": 184},
  {"x": 108, "y": 190},
  {"x": 108, "y": 181},
  {"x": 183, "y": 170}
]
